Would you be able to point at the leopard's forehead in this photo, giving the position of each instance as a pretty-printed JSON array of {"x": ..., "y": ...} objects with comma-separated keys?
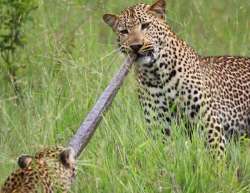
[
  {"x": 133, "y": 15},
  {"x": 51, "y": 152}
]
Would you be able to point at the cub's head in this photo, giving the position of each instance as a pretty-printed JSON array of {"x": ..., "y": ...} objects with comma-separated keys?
[
  {"x": 49, "y": 169},
  {"x": 59, "y": 155},
  {"x": 139, "y": 29}
]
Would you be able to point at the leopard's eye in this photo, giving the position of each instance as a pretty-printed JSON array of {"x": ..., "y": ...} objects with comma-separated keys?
[
  {"x": 144, "y": 25},
  {"x": 123, "y": 31}
]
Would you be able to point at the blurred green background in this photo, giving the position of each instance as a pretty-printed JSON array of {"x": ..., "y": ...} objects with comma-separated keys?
[{"x": 68, "y": 57}]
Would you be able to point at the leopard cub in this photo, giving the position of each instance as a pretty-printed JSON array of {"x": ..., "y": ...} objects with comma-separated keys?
[{"x": 50, "y": 170}]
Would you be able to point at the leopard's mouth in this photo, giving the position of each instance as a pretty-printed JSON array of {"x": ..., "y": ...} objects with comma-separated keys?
[
  {"x": 141, "y": 56},
  {"x": 145, "y": 57},
  {"x": 144, "y": 54}
]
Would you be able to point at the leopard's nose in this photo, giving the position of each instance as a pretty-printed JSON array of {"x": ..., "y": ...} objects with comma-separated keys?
[{"x": 135, "y": 47}]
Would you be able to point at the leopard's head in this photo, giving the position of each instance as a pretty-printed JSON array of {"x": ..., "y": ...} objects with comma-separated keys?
[
  {"x": 49, "y": 169},
  {"x": 140, "y": 30},
  {"x": 59, "y": 160}
]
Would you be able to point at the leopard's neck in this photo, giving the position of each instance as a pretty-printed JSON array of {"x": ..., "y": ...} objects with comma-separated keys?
[{"x": 174, "y": 61}]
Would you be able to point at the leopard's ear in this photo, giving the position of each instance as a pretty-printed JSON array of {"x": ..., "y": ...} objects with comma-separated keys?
[
  {"x": 111, "y": 20},
  {"x": 158, "y": 8},
  {"x": 24, "y": 161},
  {"x": 67, "y": 157}
]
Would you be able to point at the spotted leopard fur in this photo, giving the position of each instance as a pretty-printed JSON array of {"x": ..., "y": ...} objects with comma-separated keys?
[
  {"x": 48, "y": 171},
  {"x": 170, "y": 74}
]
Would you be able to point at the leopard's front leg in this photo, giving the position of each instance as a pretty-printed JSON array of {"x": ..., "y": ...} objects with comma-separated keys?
[{"x": 155, "y": 110}]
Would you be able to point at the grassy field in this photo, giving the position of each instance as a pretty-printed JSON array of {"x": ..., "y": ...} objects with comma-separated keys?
[{"x": 70, "y": 56}]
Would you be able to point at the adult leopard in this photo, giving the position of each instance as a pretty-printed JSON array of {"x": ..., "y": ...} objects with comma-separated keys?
[{"x": 169, "y": 72}]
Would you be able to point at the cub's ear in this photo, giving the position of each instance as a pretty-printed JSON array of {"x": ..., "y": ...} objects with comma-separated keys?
[
  {"x": 111, "y": 20},
  {"x": 67, "y": 157},
  {"x": 24, "y": 161},
  {"x": 158, "y": 8}
]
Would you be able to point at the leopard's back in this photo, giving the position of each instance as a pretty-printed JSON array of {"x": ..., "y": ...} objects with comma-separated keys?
[{"x": 227, "y": 90}]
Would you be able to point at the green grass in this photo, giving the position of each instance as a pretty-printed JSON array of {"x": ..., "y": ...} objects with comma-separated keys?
[{"x": 69, "y": 59}]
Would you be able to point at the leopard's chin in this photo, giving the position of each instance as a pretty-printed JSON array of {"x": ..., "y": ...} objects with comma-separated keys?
[{"x": 143, "y": 59}]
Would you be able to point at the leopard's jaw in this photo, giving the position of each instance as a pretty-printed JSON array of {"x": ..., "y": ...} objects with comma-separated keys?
[{"x": 142, "y": 60}]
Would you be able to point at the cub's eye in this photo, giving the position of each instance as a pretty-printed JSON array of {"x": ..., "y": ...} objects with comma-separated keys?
[
  {"x": 144, "y": 25},
  {"x": 123, "y": 31}
]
